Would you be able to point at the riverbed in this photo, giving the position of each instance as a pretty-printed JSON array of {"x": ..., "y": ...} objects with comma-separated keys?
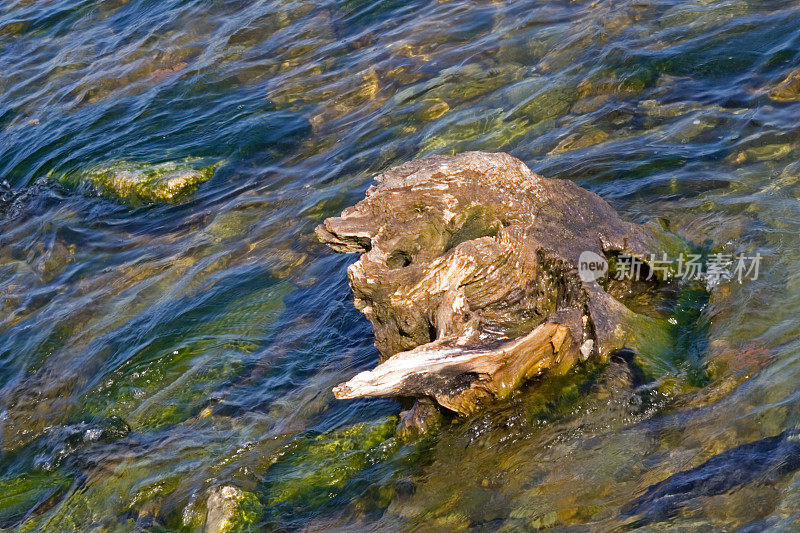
[{"x": 169, "y": 323}]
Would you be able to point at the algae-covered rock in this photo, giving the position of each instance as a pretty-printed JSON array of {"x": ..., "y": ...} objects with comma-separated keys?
[
  {"x": 788, "y": 90},
  {"x": 434, "y": 109},
  {"x": 144, "y": 182},
  {"x": 489, "y": 129},
  {"x": 763, "y": 461},
  {"x": 28, "y": 494},
  {"x": 170, "y": 380},
  {"x": 313, "y": 469},
  {"x": 84, "y": 509},
  {"x": 61, "y": 442},
  {"x": 127, "y": 489},
  {"x": 232, "y": 510},
  {"x": 472, "y": 80},
  {"x": 550, "y": 103},
  {"x": 766, "y": 152},
  {"x": 576, "y": 141}
]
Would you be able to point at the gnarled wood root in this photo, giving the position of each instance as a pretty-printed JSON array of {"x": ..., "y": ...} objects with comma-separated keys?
[{"x": 469, "y": 275}]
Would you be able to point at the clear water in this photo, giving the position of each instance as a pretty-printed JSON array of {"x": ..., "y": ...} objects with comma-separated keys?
[{"x": 150, "y": 351}]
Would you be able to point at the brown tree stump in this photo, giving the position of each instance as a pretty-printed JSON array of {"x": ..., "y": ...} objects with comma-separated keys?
[{"x": 469, "y": 275}]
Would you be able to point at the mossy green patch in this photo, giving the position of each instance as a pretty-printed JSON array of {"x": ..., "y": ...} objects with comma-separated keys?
[
  {"x": 488, "y": 130},
  {"x": 122, "y": 496},
  {"x": 82, "y": 510},
  {"x": 553, "y": 396},
  {"x": 248, "y": 513},
  {"x": 170, "y": 379},
  {"x": 232, "y": 510},
  {"x": 315, "y": 468},
  {"x": 146, "y": 182},
  {"x": 550, "y": 103},
  {"x": 29, "y": 493},
  {"x": 674, "y": 344},
  {"x": 665, "y": 326}
]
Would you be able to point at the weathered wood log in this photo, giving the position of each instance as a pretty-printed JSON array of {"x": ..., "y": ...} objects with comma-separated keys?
[{"x": 469, "y": 275}]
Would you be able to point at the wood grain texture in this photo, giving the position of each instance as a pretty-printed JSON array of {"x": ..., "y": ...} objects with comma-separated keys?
[{"x": 469, "y": 275}]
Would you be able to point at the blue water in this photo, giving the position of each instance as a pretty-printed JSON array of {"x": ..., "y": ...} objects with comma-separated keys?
[{"x": 153, "y": 351}]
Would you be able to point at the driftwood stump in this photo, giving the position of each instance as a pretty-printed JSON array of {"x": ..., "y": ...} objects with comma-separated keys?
[{"x": 469, "y": 275}]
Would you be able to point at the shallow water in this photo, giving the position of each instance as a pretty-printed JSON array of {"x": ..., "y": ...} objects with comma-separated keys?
[{"x": 152, "y": 350}]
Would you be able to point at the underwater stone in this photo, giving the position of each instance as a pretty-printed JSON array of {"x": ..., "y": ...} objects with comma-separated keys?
[
  {"x": 788, "y": 90},
  {"x": 765, "y": 461},
  {"x": 469, "y": 275},
  {"x": 163, "y": 182},
  {"x": 311, "y": 469},
  {"x": 29, "y": 494},
  {"x": 766, "y": 152},
  {"x": 230, "y": 509},
  {"x": 15, "y": 202},
  {"x": 421, "y": 418},
  {"x": 434, "y": 109},
  {"x": 577, "y": 141}
]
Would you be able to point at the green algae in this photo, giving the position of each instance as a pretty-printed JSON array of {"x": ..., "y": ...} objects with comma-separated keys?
[
  {"x": 315, "y": 468},
  {"x": 249, "y": 510},
  {"x": 139, "y": 492},
  {"x": 82, "y": 510},
  {"x": 171, "y": 402},
  {"x": 169, "y": 381},
  {"x": 30, "y": 493},
  {"x": 232, "y": 510},
  {"x": 788, "y": 90},
  {"x": 554, "y": 396},
  {"x": 485, "y": 130},
  {"x": 144, "y": 182},
  {"x": 670, "y": 344},
  {"x": 147, "y": 490},
  {"x": 549, "y": 104},
  {"x": 99, "y": 506},
  {"x": 225, "y": 509},
  {"x": 665, "y": 327}
]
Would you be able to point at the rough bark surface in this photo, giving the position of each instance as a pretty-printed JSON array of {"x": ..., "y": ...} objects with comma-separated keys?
[{"x": 469, "y": 275}]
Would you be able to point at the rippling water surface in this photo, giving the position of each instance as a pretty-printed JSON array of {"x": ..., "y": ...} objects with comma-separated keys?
[{"x": 156, "y": 346}]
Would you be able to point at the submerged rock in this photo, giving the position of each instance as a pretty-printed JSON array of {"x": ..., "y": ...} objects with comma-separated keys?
[
  {"x": 133, "y": 181},
  {"x": 230, "y": 509},
  {"x": 788, "y": 90},
  {"x": 764, "y": 461},
  {"x": 29, "y": 494},
  {"x": 469, "y": 275},
  {"x": 765, "y": 152},
  {"x": 313, "y": 469},
  {"x": 577, "y": 141},
  {"x": 421, "y": 418}
]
